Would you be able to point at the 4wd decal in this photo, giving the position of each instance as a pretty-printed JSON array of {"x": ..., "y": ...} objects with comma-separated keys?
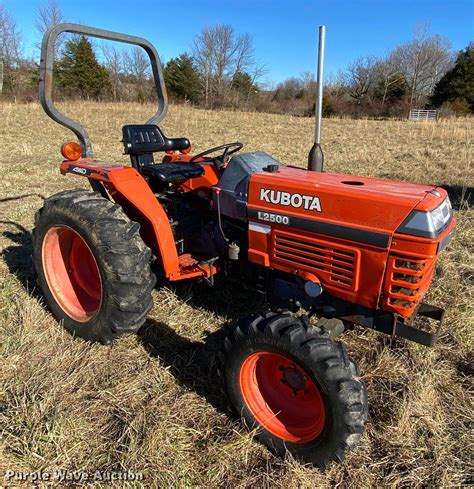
[
  {"x": 98, "y": 174},
  {"x": 308, "y": 202}
]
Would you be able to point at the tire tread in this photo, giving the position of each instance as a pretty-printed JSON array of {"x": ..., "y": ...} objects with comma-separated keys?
[
  {"x": 329, "y": 355},
  {"x": 124, "y": 255}
]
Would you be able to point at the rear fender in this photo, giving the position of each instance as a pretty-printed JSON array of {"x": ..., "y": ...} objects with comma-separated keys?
[{"x": 129, "y": 189}]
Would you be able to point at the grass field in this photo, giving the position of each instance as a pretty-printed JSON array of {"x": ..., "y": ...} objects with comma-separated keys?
[{"x": 152, "y": 403}]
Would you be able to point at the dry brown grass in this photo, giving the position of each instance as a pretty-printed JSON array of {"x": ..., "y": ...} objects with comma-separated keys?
[{"x": 151, "y": 403}]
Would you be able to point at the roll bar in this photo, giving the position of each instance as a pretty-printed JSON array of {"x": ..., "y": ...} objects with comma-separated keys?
[{"x": 46, "y": 76}]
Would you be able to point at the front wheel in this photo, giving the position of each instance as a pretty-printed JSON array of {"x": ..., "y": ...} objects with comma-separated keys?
[{"x": 296, "y": 386}]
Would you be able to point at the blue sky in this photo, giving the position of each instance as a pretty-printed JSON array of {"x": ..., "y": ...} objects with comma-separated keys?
[{"x": 284, "y": 32}]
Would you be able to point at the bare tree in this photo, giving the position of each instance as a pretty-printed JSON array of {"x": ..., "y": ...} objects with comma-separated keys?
[
  {"x": 203, "y": 56},
  {"x": 48, "y": 15},
  {"x": 220, "y": 54},
  {"x": 259, "y": 70},
  {"x": 243, "y": 55},
  {"x": 389, "y": 76},
  {"x": 423, "y": 62},
  {"x": 137, "y": 65},
  {"x": 291, "y": 88},
  {"x": 360, "y": 77},
  {"x": 10, "y": 51},
  {"x": 307, "y": 79},
  {"x": 336, "y": 86},
  {"x": 113, "y": 63}
]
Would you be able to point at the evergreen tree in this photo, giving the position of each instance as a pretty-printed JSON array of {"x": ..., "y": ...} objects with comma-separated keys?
[
  {"x": 182, "y": 79},
  {"x": 328, "y": 105},
  {"x": 458, "y": 83},
  {"x": 79, "y": 72},
  {"x": 243, "y": 83}
]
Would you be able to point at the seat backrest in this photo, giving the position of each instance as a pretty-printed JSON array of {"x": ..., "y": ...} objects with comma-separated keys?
[{"x": 140, "y": 141}]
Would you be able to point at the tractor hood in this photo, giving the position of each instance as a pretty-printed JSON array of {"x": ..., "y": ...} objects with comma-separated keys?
[{"x": 362, "y": 209}]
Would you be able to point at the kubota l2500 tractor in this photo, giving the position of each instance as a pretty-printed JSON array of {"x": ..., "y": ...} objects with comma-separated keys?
[{"x": 347, "y": 250}]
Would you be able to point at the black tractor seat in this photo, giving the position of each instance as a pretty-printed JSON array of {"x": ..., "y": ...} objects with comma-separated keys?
[
  {"x": 140, "y": 141},
  {"x": 148, "y": 138},
  {"x": 172, "y": 172}
]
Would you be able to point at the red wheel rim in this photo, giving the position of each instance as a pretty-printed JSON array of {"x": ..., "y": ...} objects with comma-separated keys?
[
  {"x": 282, "y": 397},
  {"x": 72, "y": 273}
]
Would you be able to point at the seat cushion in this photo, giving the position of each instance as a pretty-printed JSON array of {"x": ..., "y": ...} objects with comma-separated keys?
[{"x": 173, "y": 172}]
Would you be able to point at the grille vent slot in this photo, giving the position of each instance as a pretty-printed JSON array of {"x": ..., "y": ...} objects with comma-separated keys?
[
  {"x": 407, "y": 281},
  {"x": 331, "y": 263}
]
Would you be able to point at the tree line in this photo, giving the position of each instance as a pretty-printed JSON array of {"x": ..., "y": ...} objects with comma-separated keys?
[{"x": 221, "y": 71}]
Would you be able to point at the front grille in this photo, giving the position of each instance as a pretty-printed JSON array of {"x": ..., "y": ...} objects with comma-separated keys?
[
  {"x": 332, "y": 264},
  {"x": 406, "y": 283}
]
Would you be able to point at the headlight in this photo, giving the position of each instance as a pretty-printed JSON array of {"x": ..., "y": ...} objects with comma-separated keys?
[
  {"x": 428, "y": 224},
  {"x": 437, "y": 217}
]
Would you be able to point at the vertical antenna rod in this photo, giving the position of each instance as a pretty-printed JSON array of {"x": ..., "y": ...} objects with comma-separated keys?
[{"x": 316, "y": 156}]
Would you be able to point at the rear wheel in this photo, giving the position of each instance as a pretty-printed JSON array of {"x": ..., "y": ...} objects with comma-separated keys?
[
  {"x": 71, "y": 272},
  {"x": 92, "y": 265},
  {"x": 295, "y": 385}
]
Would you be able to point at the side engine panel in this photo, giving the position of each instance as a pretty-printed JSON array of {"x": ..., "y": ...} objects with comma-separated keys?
[
  {"x": 340, "y": 265},
  {"x": 344, "y": 232},
  {"x": 290, "y": 230}
]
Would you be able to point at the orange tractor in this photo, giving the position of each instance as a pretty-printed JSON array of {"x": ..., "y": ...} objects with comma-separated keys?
[{"x": 347, "y": 250}]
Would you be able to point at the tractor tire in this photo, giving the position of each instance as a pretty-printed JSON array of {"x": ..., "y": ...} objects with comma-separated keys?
[
  {"x": 92, "y": 265},
  {"x": 295, "y": 386}
]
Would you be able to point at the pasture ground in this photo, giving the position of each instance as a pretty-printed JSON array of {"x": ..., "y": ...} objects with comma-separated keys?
[{"x": 151, "y": 403}]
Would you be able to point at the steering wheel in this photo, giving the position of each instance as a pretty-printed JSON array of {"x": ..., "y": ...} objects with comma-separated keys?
[{"x": 220, "y": 160}]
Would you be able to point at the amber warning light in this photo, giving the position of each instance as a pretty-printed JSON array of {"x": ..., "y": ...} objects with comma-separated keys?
[{"x": 71, "y": 151}]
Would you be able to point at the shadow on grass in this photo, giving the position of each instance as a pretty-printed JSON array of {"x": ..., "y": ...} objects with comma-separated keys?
[
  {"x": 18, "y": 256},
  {"x": 19, "y": 197},
  {"x": 460, "y": 196},
  {"x": 192, "y": 363},
  {"x": 231, "y": 299}
]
